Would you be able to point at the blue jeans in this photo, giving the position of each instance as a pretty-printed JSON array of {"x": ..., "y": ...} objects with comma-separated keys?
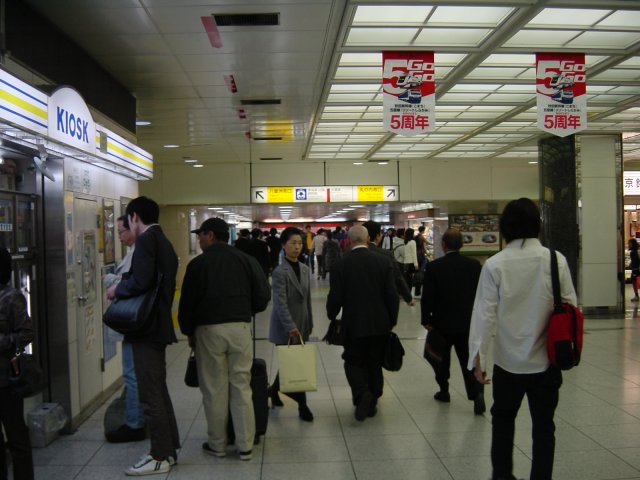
[{"x": 134, "y": 415}]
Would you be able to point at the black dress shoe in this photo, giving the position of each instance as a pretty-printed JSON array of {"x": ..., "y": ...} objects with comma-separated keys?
[
  {"x": 442, "y": 396},
  {"x": 275, "y": 398},
  {"x": 478, "y": 405},
  {"x": 305, "y": 414}
]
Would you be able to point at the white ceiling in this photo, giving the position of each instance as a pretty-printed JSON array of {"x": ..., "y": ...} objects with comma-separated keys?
[{"x": 324, "y": 62}]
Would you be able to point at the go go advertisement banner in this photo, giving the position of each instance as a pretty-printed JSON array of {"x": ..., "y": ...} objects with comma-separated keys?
[
  {"x": 561, "y": 87},
  {"x": 409, "y": 87}
]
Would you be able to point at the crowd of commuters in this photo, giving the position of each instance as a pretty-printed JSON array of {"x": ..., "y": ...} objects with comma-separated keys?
[{"x": 505, "y": 303}]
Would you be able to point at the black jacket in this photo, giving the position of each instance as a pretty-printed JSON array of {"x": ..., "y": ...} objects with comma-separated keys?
[
  {"x": 153, "y": 253},
  {"x": 221, "y": 285},
  {"x": 362, "y": 285},
  {"x": 398, "y": 277},
  {"x": 448, "y": 293}
]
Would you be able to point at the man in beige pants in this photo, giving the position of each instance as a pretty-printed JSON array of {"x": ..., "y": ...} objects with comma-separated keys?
[{"x": 222, "y": 288}]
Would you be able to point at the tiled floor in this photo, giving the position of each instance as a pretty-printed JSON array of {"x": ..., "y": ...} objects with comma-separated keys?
[{"x": 412, "y": 437}]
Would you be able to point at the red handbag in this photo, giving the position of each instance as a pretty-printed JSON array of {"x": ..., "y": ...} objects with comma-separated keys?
[{"x": 565, "y": 328}]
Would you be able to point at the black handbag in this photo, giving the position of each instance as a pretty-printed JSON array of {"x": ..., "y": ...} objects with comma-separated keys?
[
  {"x": 335, "y": 333},
  {"x": 393, "y": 353},
  {"x": 26, "y": 378},
  {"x": 191, "y": 375},
  {"x": 131, "y": 315},
  {"x": 435, "y": 347}
]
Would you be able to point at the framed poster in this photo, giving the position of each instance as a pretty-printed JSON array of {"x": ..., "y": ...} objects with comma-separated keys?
[
  {"x": 480, "y": 232},
  {"x": 108, "y": 232}
]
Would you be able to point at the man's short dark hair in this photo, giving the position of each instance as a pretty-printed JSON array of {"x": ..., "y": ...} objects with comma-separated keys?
[
  {"x": 520, "y": 219},
  {"x": 452, "y": 239},
  {"x": 256, "y": 233},
  {"x": 5, "y": 266},
  {"x": 147, "y": 209},
  {"x": 421, "y": 228},
  {"x": 273, "y": 231},
  {"x": 125, "y": 221},
  {"x": 373, "y": 228},
  {"x": 289, "y": 232}
]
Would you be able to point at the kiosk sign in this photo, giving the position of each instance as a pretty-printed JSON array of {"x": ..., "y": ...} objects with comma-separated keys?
[
  {"x": 409, "y": 87},
  {"x": 70, "y": 121},
  {"x": 561, "y": 87}
]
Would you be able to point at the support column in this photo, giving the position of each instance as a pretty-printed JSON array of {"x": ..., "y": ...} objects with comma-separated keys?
[
  {"x": 581, "y": 206},
  {"x": 558, "y": 199}
]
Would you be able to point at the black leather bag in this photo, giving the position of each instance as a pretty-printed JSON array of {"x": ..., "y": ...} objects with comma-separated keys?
[
  {"x": 191, "y": 375},
  {"x": 26, "y": 378},
  {"x": 393, "y": 353},
  {"x": 335, "y": 333},
  {"x": 434, "y": 348},
  {"x": 131, "y": 315}
]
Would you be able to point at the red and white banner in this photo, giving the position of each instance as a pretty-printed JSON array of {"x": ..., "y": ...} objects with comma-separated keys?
[
  {"x": 408, "y": 84},
  {"x": 561, "y": 86}
]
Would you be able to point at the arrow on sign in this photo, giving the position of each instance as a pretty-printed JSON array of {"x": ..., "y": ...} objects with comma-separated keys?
[
  {"x": 259, "y": 194},
  {"x": 392, "y": 192}
]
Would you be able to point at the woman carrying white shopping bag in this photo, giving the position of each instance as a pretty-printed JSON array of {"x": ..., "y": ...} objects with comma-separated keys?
[{"x": 291, "y": 317}]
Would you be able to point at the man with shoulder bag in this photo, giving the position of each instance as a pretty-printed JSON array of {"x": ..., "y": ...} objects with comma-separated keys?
[
  {"x": 16, "y": 332},
  {"x": 154, "y": 260}
]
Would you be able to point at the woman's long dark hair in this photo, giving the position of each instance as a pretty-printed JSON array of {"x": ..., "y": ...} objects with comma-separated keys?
[{"x": 408, "y": 235}]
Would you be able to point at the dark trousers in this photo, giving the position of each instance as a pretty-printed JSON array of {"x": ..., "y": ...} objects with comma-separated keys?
[
  {"x": 542, "y": 390},
  {"x": 363, "y": 365},
  {"x": 320, "y": 259},
  {"x": 151, "y": 372},
  {"x": 310, "y": 262},
  {"x": 18, "y": 443},
  {"x": 459, "y": 341},
  {"x": 299, "y": 397}
]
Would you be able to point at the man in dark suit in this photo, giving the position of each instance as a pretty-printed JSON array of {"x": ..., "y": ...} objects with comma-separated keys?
[
  {"x": 362, "y": 285},
  {"x": 450, "y": 284},
  {"x": 153, "y": 255},
  {"x": 375, "y": 237}
]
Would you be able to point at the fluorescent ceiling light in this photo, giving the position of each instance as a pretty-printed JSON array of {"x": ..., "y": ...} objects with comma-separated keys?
[
  {"x": 142, "y": 123},
  {"x": 197, "y": 165},
  {"x": 171, "y": 145}
]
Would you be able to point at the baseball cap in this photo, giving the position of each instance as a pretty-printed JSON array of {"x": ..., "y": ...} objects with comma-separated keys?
[{"x": 212, "y": 225}]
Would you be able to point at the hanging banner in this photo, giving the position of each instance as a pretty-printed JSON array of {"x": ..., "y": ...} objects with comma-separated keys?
[
  {"x": 409, "y": 100},
  {"x": 561, "y": 86}
]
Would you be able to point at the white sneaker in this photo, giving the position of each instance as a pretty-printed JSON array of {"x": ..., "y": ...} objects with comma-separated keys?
[{"x": 148, "y": 465}]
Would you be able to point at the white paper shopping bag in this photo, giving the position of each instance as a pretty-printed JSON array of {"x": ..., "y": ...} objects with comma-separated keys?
[{"x": 297, "y": 364}]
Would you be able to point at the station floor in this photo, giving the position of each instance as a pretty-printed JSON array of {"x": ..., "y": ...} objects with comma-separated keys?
[{"x": 412, "y": 437}]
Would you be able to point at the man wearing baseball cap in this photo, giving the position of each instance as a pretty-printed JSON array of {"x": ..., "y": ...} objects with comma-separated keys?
[{"x": 222, "y": 288}]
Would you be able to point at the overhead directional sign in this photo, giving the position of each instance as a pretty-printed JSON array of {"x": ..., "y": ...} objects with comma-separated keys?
[{"x": 325, "y": 194}]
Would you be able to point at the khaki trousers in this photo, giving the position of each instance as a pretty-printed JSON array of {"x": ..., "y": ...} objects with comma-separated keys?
[{"x": 224, "y": 357}]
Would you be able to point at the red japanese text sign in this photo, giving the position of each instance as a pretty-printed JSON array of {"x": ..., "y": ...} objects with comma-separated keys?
[
  {"x": 408, "y": 92},
  {"x": 561, "y": 87}
]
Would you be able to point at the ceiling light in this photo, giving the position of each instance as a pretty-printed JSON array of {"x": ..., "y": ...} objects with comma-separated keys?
[
  {"x": 214, "y": 208},
  {"x": 533, "y": 162},
  {"x": 383, "y": 163},
  {"x": 357, "y": 163},
  {"x": 198, "y": 165},
  {"x": 171, "y": 145},
  {"x": 190, "y": 160},
  {"x": 142, "y": 123}
]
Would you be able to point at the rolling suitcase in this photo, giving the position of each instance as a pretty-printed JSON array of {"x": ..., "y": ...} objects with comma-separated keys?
[{"x": 259, "y": 385}]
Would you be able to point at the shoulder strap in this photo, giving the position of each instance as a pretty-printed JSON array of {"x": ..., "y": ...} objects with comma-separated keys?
[{"x": 555, "y": 279}]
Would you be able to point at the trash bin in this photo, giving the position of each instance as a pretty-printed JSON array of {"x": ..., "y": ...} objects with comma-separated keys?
[{"x": 45, "y": 422}]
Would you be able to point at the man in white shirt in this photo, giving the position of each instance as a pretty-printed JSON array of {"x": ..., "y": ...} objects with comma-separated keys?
[
  {"x": 514, "y": 300},
  {"x": 316, "y": 249}
]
